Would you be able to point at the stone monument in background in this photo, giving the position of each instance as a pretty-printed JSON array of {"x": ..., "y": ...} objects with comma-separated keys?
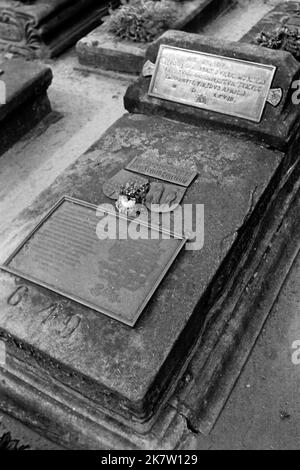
[{"x": 44, "y": 28}]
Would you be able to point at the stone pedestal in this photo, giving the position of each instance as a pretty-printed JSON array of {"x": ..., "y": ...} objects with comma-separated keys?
[
  {"x": 89, "y": 381},
  {"x": 27, "y": 102},
  {"x": 44, "y": 28},
  {"x": 101, "y": 50}
]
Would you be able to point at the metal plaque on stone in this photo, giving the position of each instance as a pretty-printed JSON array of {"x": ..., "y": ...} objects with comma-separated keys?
[
  {"x": 97, "y": 257},
  {"x": 225, "y": 85},
  {"x": 156, "y": 169}
]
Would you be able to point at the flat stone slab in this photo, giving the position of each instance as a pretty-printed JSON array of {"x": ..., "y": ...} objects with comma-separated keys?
[
  {"x": 128, "y": 372},
  {"x": 27, "y": 102},
  {"x": 44, "y": 28},
  {"x": 284, "y": 14},
  {"x": 102, "y": 50}
]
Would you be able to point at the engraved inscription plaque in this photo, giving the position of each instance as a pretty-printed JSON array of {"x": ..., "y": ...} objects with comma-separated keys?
[
  {"x": 113, "y": 272},
  {"x": 229, "y": 86},
  {"x": 156, "y": 169}
]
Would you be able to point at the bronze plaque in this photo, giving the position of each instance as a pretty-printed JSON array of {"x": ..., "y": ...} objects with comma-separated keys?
[
  {"x": 156, "y": 169},
  {"x": 115, "y": 275},
  {"x": 222, "y": 84}
]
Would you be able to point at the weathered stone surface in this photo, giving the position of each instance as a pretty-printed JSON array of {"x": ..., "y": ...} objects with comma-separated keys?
[
  {"x": 44, "y": 28},
  {"x": 278, "y": 125},
  {"x": 100, "y": 49},
  {"x": 26, "y": 99},
  {"x": 235, "y": 322},
  {"x": 232, "y": 328},
  {"x": 284, "y": 14},
  {"x": 126, "y": 371}
]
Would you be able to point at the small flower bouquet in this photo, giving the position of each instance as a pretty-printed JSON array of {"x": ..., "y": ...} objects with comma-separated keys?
[{"x": 131, "y": 193}]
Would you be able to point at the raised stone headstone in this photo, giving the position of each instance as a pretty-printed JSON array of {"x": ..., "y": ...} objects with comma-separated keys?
[
  {"x": 44, "y": 28},
  {"x": 277, "y": 124},
  {"x": 23, "y": 87},
  {"x": 109, "y": 385}
]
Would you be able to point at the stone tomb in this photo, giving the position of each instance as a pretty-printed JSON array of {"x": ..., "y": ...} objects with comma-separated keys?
[
  {"x": 25, "y": 101},
  {"x": 87, "y": 380},
  {"x": 101, "y": 50},
  {"x": 284, "y": 14},
  {"x": 44, "y": 28}
]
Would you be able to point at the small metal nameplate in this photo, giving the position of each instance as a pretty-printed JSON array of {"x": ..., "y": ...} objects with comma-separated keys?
[
  {"x": 221, "y": 84},
  {"x": 162, "y": 171},
  {"x": 116, "y": 275}
]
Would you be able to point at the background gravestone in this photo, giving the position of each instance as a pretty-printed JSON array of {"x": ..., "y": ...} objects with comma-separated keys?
[
  {"x": 26, "y": 100},
  {"x": 101, "y": 49},
  {"x": 44, "y": 28}
]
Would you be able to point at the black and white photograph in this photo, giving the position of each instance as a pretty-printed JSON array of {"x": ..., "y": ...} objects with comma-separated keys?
[{"x": 149, "y": 229}]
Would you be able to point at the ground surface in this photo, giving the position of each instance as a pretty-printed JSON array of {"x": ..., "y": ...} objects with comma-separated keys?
[{"x": 264, "y": 409}]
